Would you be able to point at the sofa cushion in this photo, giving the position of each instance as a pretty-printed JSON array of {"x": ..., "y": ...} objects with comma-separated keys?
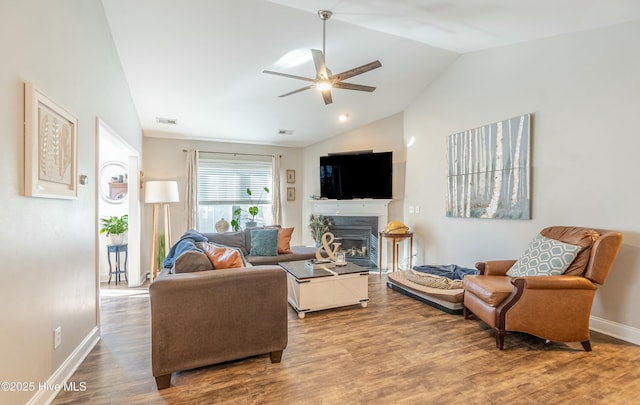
[
  {"x": 585, "y": 238},
  {"x": 264, "y": 242},
  {"x": 192, "y": 261},
  {"x": 232, "y": 239},
  {"x": 284, "y": 240},
  {"x": 544, "y": 257},
  {"x": 223, "y": 257}
]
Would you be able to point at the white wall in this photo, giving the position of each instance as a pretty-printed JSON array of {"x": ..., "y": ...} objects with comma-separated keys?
[
  {"x": 164, "y": 159},
  {"x": 385, "y": 135},
  {"x": 48, "y": 246},
  {"x": 584, "y": 92}
]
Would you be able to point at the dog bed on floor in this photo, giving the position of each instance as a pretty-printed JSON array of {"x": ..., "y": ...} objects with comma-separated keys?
[{"x": 438, "y": 291}]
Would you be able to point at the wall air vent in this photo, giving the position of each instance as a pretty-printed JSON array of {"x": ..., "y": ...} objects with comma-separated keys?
[
  {"x": 170, "y": 121},
  {"x": 285, "y": 132}
]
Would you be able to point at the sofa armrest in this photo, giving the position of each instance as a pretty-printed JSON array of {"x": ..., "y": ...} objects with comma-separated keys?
[
  {"x": 494, "y": 267},
  {"x": 208, "y": 317}
]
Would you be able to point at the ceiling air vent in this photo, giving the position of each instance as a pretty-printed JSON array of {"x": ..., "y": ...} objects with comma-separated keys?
[
  {"x": 170, "y": 121},
  {"x": 285, "y": 132}
]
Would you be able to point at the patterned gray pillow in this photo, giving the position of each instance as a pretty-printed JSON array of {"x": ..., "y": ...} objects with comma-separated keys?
[{"x": 544, "y": 257}]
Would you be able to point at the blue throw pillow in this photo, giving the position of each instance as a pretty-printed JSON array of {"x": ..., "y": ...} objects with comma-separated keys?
[{"x": 264, "y": 242}]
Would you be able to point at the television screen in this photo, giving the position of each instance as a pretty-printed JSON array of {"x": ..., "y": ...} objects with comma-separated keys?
[{"x": 362, "y": 175}]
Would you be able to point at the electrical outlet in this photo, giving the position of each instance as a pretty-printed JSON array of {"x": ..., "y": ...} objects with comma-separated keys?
[
  {"x": 57, "y": 337},
  {"x": 417, "y": 209}
]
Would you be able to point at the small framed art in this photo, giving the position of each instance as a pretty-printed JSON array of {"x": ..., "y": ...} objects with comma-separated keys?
[
  {"x": 291, "y": 193},
  {"x": 50, "y": 147},
  {"x": 291, "y": 176}
]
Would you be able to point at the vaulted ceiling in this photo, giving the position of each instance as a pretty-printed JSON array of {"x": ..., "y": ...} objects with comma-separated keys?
[{"x": 200, "y": 62}]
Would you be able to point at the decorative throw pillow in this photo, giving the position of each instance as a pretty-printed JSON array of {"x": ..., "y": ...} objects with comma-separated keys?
[
  {"x": 191, "y": 261},
  {"x": 222, "y": 257},
  {"x": 284, "y": 240},
  {"x": 544, "y": 257},
  {"x": 264, "y": 242}
]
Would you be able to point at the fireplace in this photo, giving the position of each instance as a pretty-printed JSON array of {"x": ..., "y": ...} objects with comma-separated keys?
[
  {"x": 357, "y": 237},
  {"x": 356, "y": 223}
]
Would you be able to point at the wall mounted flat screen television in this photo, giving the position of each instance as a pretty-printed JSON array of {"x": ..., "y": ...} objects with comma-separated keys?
[{"x": 358, "y": 175}]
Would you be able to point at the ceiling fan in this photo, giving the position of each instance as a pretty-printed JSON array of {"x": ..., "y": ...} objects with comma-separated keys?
[{"x": 325, "y": 80}]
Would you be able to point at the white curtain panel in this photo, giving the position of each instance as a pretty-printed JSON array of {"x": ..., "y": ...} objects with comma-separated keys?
[
  {"x": 277, "y": 203},
  {"x": 192, "y": 189}
]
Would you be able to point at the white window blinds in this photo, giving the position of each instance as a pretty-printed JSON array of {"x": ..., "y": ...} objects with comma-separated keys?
[{"x": 226, "y": 182}]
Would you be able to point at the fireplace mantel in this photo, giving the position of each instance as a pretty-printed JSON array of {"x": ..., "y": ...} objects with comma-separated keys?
[{"x": 363, "y": 207}]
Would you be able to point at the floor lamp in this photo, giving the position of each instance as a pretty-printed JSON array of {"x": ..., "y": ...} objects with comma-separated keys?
[{"x": 160, "y": 194}]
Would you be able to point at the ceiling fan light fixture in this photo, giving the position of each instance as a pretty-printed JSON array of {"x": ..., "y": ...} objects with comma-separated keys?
[{"x": 324, "y": 85}]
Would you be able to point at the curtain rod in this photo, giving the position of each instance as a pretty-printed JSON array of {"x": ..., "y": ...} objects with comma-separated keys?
[{"x": 233, "y": 153}]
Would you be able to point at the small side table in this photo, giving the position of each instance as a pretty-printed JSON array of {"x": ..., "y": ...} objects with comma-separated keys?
[
  {"x": 117, "y": 249},
  {"x": 396, "y": 238}
]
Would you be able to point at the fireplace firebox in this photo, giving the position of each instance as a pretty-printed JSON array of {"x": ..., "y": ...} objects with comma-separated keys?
[{"x": 358, "y": 238}]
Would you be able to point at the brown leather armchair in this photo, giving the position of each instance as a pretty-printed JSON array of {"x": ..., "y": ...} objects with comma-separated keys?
[{"x": 554, "y": 308}]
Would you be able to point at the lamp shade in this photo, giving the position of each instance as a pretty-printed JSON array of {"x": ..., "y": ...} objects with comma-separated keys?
[{"x": 161, "y": 192}]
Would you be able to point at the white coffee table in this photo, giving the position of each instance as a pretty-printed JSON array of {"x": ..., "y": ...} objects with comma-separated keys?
[{"x": 324, "y": 288}]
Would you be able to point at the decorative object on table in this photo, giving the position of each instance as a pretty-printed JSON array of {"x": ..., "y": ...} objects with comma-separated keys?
[
  {"x": 327, "y": 241},
  {"x": 489, "y": 171},
  {"x": 340, "y": 259},
  {"x": 250, "y": 213},
  {"x": 112, "y": 182},
  {"x": 50, "y": 148},
  {"x": 291, "y": 176},
  {"x": 222, "y": 226},
  {"x": 160, "y": 194},
  {"x": 396, "y": 227},
  {"x": 115, "y": 227},
  {"x": 319, "y": 224},
  {"x": 315, "y": 264},
  {"x": 291, "y": 193}
]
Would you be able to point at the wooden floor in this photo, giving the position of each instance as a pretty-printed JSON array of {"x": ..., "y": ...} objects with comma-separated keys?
[{"x": 395, "y": 351}]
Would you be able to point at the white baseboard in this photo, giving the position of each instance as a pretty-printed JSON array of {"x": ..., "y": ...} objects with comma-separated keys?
[
  {"x": 617, "y": 330},
  {"x": 62, "y": 375}
]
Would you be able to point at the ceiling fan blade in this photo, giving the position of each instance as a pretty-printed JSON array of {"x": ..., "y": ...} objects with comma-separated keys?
[
  {"x": 356, "y": 71},
  {"x": 288, "y": 75},
  {"x": 318, "y": 60},
  {"x": 311, "y": 86},
  {"x": 326, "y": 95},
  {"x": 349, "y": 86}
]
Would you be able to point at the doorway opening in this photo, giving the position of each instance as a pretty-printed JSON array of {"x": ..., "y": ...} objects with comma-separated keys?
[{"x": 118, "y": 194}]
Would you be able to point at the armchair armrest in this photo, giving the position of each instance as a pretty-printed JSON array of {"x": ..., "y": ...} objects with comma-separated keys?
[
  {"x": 553, "y": 283},
  {"x": 494, "y": 267},
  {"x": 553, "y": 307}
]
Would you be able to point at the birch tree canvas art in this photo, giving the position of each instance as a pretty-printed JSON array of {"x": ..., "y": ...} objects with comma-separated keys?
[{"x": 489, "y": 172}]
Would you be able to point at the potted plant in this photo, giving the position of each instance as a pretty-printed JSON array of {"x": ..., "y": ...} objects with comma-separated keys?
[
  {"x": 319, "y": 225},
  {"x": 115, "y": 227},
  {"x": 250, "y": 213}
]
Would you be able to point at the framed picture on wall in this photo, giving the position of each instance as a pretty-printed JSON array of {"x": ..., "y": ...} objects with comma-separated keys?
[
  {"x": 50, "y": 148},
  {"x": 291, "y": 193},
  {"x": 291, "y": 176}
]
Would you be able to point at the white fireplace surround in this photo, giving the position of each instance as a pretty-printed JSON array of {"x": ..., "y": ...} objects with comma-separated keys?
[{"x": 362, "y": 208}]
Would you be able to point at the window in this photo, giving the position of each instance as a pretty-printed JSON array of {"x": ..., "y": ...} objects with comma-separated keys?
[{"x": 222, "y": 188}]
